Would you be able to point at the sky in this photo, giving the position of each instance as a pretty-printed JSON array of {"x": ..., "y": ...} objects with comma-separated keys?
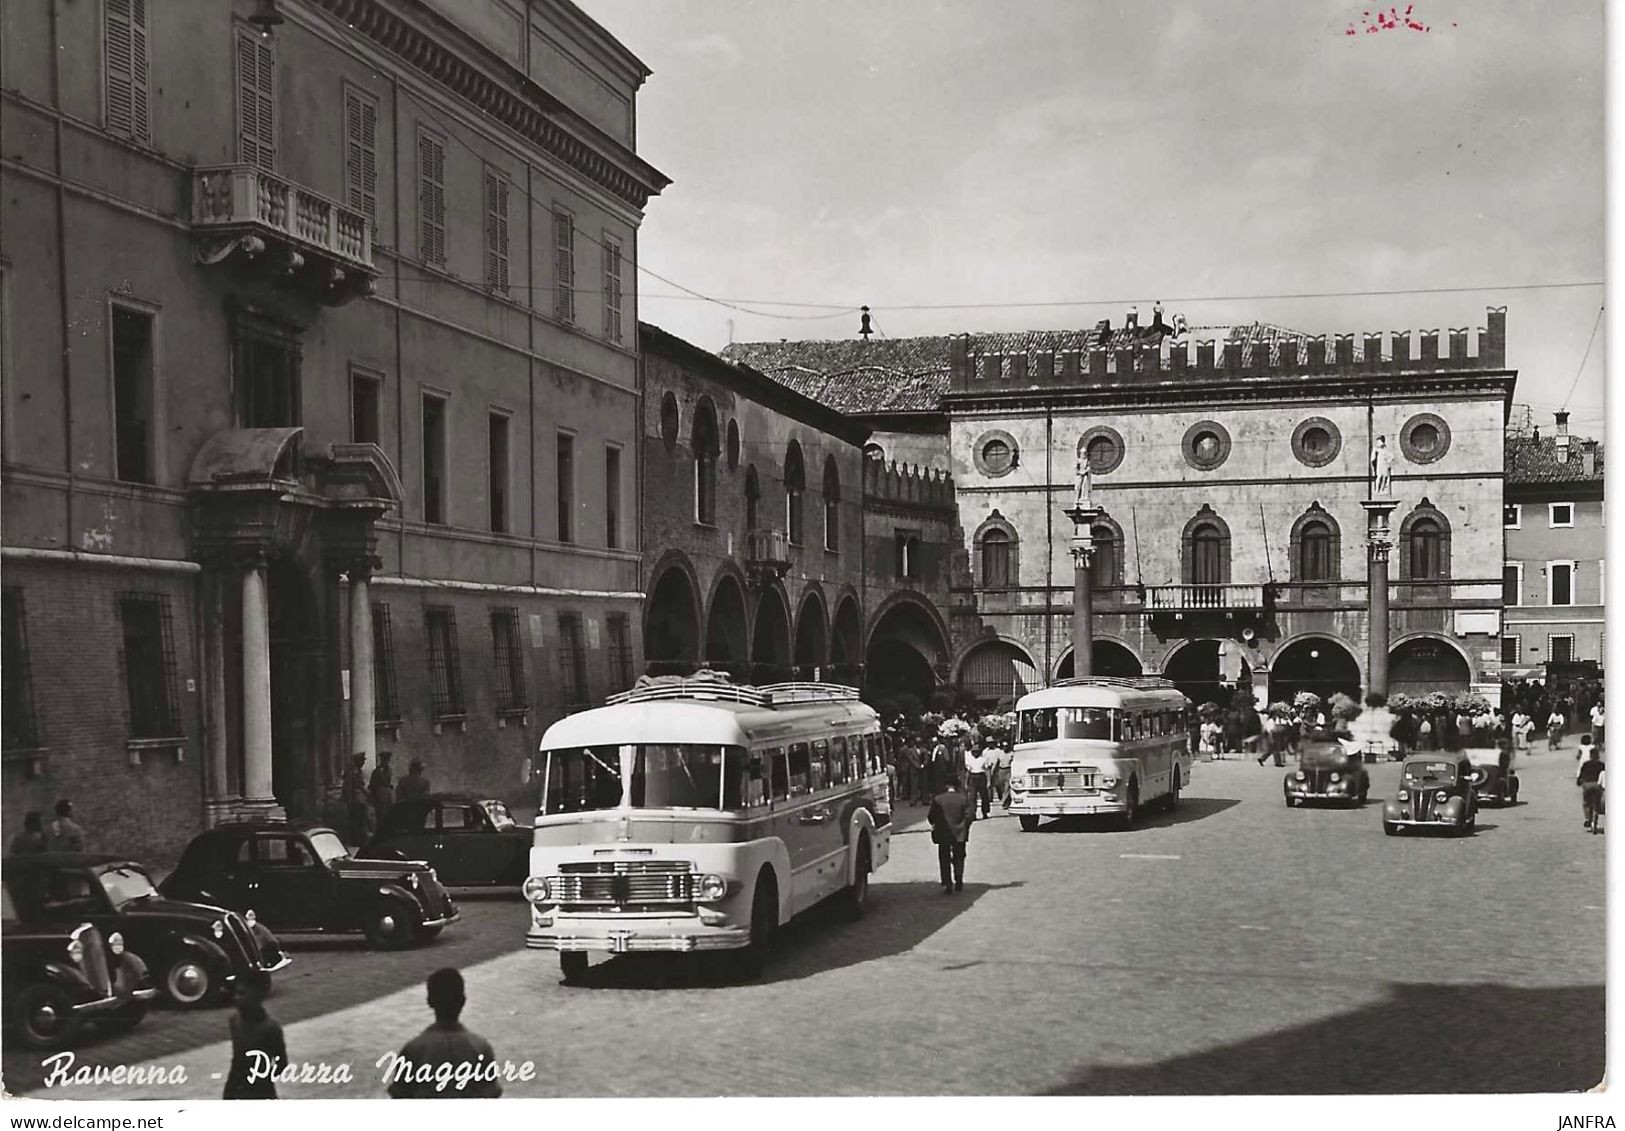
[{"x": 1048, "y": 163}]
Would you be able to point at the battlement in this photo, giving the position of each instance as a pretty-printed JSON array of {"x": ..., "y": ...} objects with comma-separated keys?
[
  {"x": 907, "y": 485},
  {"x": 1267, "y": 355}
]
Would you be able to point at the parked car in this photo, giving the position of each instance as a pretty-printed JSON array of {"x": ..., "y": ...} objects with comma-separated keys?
[
  {"x": 1327, "y": 771},
  {"x": 199, "y": 954},
  {"x": 300, "y": 877},
  {"x": 57, "y": 979},
  {"x": 1495, "y": 781},
  {"x": 1435, "y": 791},
  {"x": 468, "y": 840}
]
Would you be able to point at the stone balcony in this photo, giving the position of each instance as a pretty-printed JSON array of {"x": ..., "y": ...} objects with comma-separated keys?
[
  {"x": 767, "y": 555},
  {"x": 1180, "y": 599},
  {"x": 282, "y": 233}
]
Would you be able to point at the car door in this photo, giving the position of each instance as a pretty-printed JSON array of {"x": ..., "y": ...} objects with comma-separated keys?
[
  {"x": 462, "y": 844},
  {"x": 291, "y": 884}
]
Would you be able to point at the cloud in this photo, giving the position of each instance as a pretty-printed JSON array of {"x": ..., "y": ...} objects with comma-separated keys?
[{"x": 713, "y": 45}]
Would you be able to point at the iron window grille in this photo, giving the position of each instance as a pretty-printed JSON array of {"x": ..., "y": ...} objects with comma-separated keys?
[
  {"x": 1512, "y": 649},
  {"x": 445, "y": 665},
  {"x": 1560, "y": 649},
  {"x": 620, "y": 652},
  {"x": 148, "y": 657},
  {"x": 572, "y": 661},
  {"x": 19, "y": 724},
  {"x": 510, "y": 660},
  {"x": 386, "y": 706}
]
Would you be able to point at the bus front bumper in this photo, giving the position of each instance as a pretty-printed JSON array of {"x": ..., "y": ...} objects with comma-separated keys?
[
  {"x": 643, "y": 936},
  {"x": 1051, "y": 805}
]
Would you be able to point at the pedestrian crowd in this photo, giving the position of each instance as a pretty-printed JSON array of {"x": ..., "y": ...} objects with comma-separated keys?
[{"x": 369, "y": 798}]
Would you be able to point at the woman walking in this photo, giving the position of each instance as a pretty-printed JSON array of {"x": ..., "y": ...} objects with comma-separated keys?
[{"x": 258, "y": 1051}]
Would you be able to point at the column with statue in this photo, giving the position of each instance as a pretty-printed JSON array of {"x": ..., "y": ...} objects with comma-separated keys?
[
  {"x": 1379, "y": 506},
  {"x": 1084, "y": 514}
]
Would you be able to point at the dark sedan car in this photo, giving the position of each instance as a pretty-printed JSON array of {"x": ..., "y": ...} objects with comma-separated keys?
[
  {"x": 1435, "y": 791},
  {"x": 301, "y": 878},
  {"x": 1494, "y": 779},
  {"x": 468, "y": 840},
  {"x": 58, "y": 978},
  {"x": 1327, "y": 771},
  {"x": 198, "y": 953}
]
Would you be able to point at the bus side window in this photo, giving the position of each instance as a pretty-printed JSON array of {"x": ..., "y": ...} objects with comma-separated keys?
[
  {"x": 864, "y": 745},
  {"x": 840, "y": 772},
  {"x": 781, "y": 773},
  {"x": 800, "y": 771},
  {"x": 819, "y": 764}
]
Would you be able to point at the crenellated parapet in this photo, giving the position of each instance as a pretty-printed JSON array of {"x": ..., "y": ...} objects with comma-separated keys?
[
  {"x": 907, "y": 485},
  {"x": 1265, "y": 354}
]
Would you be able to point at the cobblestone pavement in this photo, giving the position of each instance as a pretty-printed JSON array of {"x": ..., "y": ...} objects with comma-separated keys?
[{"x": 1235, "y": 947}]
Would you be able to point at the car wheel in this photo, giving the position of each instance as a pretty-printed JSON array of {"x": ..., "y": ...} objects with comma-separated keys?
[
  {"x": 126, "y": 1020},
  {"x": 425, "y": 935},
  {"x": 573, "y": 966},
  {"x": 189, "y": 983},
  {"x": 764, "y": 924},
  {"x": 1029, "y": 822},
  {"x": 45, "y": 1018},
  {"x": 1291, "y": 802},
  {"x": 855, "y": 899},
  {"x": 390, "y": 927}
]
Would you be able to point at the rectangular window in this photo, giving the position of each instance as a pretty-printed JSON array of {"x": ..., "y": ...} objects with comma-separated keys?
[
  {"x": 620, "y": 651},
  {"x": 510, "y": 660},
  {"x": 1560, "y": 649},
  {"x": 1512, "y": 649},
  {"x": 1512, "y": 516},
  {"x": 564, "y": 266},
  {"x": 800, "y": 769},
  {"x": 1560, "y": 583},
  {"x": 566, "y": 485},
  {"x": 256, "y": 101},
  {"x": 572, "y": 661},
  {"x": 133, "y": 394},
  {"x": 1560, "y": 515},
  {"x": 366, "y": 391},
  {"x": 431, "y": 198},
  {"x": 818, "y": 764},
  {"x": 149, "y": 665},
  {"x": 497, "y": 470},
  {"x": 385, "y": 706},
  {"x": 445, "y": 663},
  {"x": 434, "y": 458},
  {"x": 779, "y": 763},
  {"x": 18, "y": 729},
  {"x": 125, "y": 36},
  {"x": 496, "y": 231},
  {"x": 612, "y": 289},
  {"x": 1512, "y": 584},
  {"x": 361, "y": 152},
  {"x": 268, "y": 372},
  {"x": 612, "y": 497}
]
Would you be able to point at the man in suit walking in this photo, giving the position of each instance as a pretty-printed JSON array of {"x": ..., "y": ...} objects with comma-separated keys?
[{"x": 951, "y": 815}]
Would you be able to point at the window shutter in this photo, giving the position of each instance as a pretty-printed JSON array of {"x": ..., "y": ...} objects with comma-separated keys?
[
  {"x": 256, "y": 102},
  {"x": 612, "y": 290},
  {"x": 125, "y": 35},
  {"x": 140, "y": 119},
  {"x": 564, "y": 295},
  {"x": 432, "y": 198},
  {"x": 361, "y": 153},
  {"x": 496, "y": 231}
]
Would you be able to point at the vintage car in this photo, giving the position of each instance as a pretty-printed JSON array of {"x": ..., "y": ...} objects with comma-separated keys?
[
  {"x": 1435, "y": 791},
  {"x": 300, "y": 877},
  {"x": 199, "y": 954},
  {"x": 1495, "y": 780},
  {"x": 468, "y": 840},
  {"x": 58, "y": 978},
  {"x": 1328, "y": 770}
]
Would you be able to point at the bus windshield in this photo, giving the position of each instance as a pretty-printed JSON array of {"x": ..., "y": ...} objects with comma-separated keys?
[
  {"x": 1046, "y": 724},
  {"x": 663, "y": 776}
]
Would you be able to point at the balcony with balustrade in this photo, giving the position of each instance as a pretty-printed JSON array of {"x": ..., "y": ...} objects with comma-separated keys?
[
  {"x": 767, "y": 556},
  {"x": 1181, "y": 600},
  {"x": 281, "y": 233}
]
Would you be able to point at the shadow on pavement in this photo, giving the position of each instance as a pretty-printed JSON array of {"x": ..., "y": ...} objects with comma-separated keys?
[
  {"x": 1190, "y": 809},
  {"x": 1422, "y": 1039},
  {"x": 899, "y": 918}
]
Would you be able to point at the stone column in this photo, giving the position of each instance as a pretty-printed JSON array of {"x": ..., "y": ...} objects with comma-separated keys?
[
  {"x": 363, "y": 710},
  {"x": 1083, "y": 552},
  {"x": 256, "y": 687},
  {"x": 1379, "y": 542},
  {"x": 214, "y": 690}
]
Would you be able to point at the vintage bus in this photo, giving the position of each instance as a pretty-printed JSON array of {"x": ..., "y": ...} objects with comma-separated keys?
[
  {"x": 1100, "y": 745},
  {"x": 698, "y": 815}
]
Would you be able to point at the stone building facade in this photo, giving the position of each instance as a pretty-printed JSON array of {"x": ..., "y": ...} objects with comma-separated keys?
[{"x": 320, "y": 380}]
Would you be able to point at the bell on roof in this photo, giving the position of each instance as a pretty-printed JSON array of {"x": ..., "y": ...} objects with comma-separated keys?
[{"x": 867, "y": 327}]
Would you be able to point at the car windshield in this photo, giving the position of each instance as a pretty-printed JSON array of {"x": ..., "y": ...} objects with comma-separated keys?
[
  {"x": 1430, "y": 773},
  {"x": 122, "y": 884},
  {"x": 1045, "y": 724},
  {"x": 663, "y": 776},
  {"x": 500, "y": 817},
  {"x": 328, "y": 846},
  {"x": 1323, "y": 754}
]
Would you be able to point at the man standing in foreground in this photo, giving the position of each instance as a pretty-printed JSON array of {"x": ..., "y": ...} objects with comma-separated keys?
[
  {"x": 950, "y": 818},
  {"x": 978, "y": 767},
  {"x": 428, "y": 1067}
]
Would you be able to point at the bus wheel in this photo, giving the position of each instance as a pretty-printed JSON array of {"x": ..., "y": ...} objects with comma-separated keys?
[
  {"x": 855, "y": 899},
  {"x": 1133, "y": 804},
  {"x": 764, "y": 923},
  {"x": 573, "y": 965},
  {"x": 1029, "y": 822},
  {"x": 1173, "y": 793}
]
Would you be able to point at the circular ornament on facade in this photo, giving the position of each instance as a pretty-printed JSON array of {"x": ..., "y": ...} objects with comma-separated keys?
[
  {"x": 995, "y": 453},
  {"x": 669, "y": 420},
  {"x": 1425, "y": 438},
  {"x": 733, "y": 445},
  {"x": 1316, "y": 442},
  {"x": 1104, "y": 447},
  {"x": 1206, "y": 445}
]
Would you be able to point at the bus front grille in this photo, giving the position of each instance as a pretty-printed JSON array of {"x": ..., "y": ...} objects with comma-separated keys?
[{"x": 625, "y": 883}]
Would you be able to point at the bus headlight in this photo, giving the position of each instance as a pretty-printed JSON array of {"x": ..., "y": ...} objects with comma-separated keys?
[
  {"x": 1108, "y": 782},
  {"x": 536, "y": 889},
  {"x": 712, "y": 888}
]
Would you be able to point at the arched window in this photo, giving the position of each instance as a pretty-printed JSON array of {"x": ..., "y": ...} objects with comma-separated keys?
[
  {"x": 795, "y": 482},
  {"x": 874, "y": 451},
  {"x": 1104, "y": 565},
  {"x": 706, "y": 450},
  {"x": 832, "y": 505},
  {"x": 1315, "y": 552},
  {"x": 1205, "y": 549},
  {"x": 996, "y": 560},
  {"x": 753, "y": 496},
  {"x": 1427, "y": 550}
]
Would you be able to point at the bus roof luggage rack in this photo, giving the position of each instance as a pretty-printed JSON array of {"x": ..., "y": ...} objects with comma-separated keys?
[
  {"x": 1142, "y": 682},
  {"x": 706, "y": 685},
  {"x": 782, "y": 694}
]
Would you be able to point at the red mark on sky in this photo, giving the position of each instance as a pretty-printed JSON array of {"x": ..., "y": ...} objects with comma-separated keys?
[{"x": 1371, "y": 22}]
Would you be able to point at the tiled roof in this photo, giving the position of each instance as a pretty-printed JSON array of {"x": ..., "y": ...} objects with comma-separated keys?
[
  {"x": 1531, "y": 460},
  {"x": 911, "y": 374}
]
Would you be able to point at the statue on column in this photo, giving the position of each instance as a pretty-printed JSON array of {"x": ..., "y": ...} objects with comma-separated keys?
[
  {"x": 1382, "y": 469},
  {"x": 1084, "y": 500}
]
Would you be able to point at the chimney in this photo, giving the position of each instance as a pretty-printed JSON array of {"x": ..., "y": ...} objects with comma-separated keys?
[
  {"x": 1588, "y": 458},
  {"x": 1562, "y": 440},
  {"x": 1132, "y": 320}
]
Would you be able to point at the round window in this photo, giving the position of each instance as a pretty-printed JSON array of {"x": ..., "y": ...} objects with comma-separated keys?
[
  {"x": 733, "y": 445},
  {"x": 669, "y": 420},
  {"x": 1206, "y": 445},
  {"x": 1102, "y": 452},
  {"x": 995, "y": 454},
  {"x": 1425, "y": 438},
  {"x": 1316, "y": 442},
  {"x": 1103, "y": 448}
]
